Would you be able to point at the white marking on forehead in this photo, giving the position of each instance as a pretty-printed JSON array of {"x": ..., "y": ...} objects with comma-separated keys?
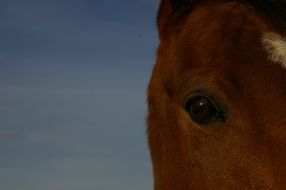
[{"x": 275, "y": 46}]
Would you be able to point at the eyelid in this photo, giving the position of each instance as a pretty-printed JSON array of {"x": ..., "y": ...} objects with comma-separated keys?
[
  {"x": 209, "y": 96},
  {"x": 192, "y": 95},
  {"x": 198, "y": 93}
]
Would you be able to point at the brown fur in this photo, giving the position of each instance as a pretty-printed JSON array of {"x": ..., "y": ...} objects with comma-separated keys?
[{"x": 216, "y": 48}]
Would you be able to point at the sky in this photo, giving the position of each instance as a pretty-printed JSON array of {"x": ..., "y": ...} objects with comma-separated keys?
[{"x": 73, "y": 78}]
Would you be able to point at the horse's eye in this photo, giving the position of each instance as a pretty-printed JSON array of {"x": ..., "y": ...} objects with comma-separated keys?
[{"x": 203, "y": 110}]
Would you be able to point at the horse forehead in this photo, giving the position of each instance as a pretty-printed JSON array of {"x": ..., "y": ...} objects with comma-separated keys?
[
  {"x": 244, "y": 29},
  {"x": 217, "y": 31},
  {"x": 275, "y": 47}
]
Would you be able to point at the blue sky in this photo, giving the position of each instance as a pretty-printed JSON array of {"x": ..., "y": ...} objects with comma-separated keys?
[{"x": 73, "y": 77}]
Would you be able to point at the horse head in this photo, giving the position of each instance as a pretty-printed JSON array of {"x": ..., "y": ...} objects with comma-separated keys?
[{"x": 216, "y": 98}]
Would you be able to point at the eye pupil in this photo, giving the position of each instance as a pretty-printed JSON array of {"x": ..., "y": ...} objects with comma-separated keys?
[{"x": 201, "y": 109}]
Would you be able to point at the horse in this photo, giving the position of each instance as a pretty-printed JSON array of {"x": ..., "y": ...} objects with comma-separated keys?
[{"x": 217, "y": 95}]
